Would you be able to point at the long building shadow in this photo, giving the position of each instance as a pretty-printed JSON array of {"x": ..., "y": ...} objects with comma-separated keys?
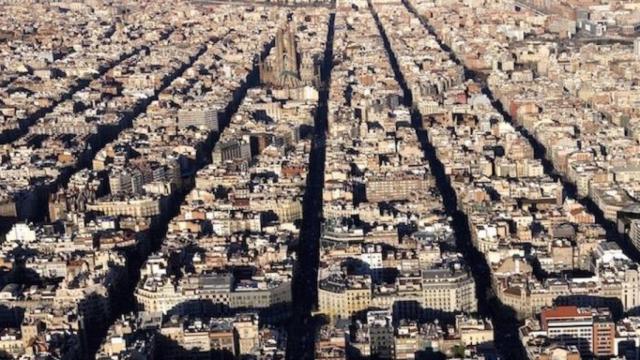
[
  {"x": 301, "y": 334},
  {"x": 37, "y": 210},
  {"x": 14, "y": 134},
  {"x": 121, "y": 298},
  {"x": 569, "y": 188},
  {"x": 503, "y": 317},
  {"x": 135, "y": 259},
  {"x": 539, "y": 150}
]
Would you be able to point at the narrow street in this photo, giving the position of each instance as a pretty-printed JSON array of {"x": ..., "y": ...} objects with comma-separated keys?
[
  {"x": 303, "y": 325},
  {"x": 503, "y": 317},
  {"x": 7, "y": 137},
  {"x": 127, "y": 302}
]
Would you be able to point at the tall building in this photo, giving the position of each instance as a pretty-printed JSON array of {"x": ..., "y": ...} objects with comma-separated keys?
[
  {"x": 590, "y": 330},
  {"x": 380, "y": 333},
  {"x": 199, "y": 117},
  {"x": 239, "y": 149},
  {"x": 342, "y": 296},
  {"x": 246, "y": 332},
  {"x": 449, "y": 290},
  {"x": 407, "y": 340},
  {"x": 126, "y": 182},
  {"x": 285, "y": 68}
]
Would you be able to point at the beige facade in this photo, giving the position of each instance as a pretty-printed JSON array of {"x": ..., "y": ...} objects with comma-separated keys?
[
  {"x": 137, "y": 208},
  {"x": 343, "y": 303}
]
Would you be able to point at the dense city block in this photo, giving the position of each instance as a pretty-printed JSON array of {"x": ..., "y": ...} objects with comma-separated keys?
[{"x": 295, "y": 179}]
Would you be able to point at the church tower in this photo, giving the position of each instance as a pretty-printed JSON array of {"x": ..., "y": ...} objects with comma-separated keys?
[
  {"x": 281, "y": 68},
  {"x": 286, "y": 51}
]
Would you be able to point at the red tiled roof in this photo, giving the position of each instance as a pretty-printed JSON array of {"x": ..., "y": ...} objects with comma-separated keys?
[{"x": 560, "y": 312}]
